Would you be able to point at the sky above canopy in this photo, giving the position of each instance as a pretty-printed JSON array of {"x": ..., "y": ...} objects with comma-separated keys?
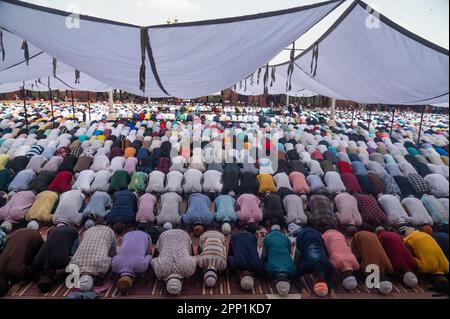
[{"x": 428, "y": 19}]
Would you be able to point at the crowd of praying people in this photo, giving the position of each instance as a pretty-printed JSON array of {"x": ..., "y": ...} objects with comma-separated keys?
[{"x": 329, "y": 196}]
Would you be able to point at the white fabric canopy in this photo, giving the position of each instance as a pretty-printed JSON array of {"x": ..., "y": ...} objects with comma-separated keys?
[
  {"x": 184, "y": 60},
  {"x": 39, "y": 75},
  {"x": 369, "y": 59},
  {"x": 61, "y": 82}
]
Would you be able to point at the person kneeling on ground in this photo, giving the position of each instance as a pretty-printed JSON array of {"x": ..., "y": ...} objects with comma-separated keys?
[
  {"x": 429, "y": 257},
  {"x": 212, "y": 256},
  {"x": 198, "y": 214},
  {"x": 54, "y": 255},
  {"x": 16, "y": 258},
  {"x": 312, "y": 258},
  {"x": 243, "y": 258},
  {"x": 225, "y": 212},
  {"x": 175, "y": 261},
  {"x": 278, "y": 263},
  {"x": 401, "y": 259},
  {"x": 367, "y": 247},
  {"x": 133, "y": 259},
  {"x": 93, "y": 255},
  {"x": 123, "y": 211},
  {"x": 341, "y": 257}
]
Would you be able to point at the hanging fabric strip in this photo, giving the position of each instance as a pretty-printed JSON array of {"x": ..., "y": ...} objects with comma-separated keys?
[
  {"x": 290, "y": 69},
  {"x": 146, "y": 47},
  {"x": 314, "y": 59},
  {"x": 272, "y": 76},
  {"x": 39, "y": 80},
  {"x": 26, "y": 53},
  {"x": 266, "y": 79},
  {"x": 55, "y": 62},
  {"x": 144, "y": 39},
  {"x": 240, "y": 85},
  {"x": 48, "y": 83},
  {"x": 2, "y": 47},
  {"x": 245, "y": 85},
  {"x": 77, "y": 76},
  {"x": 252, "y": 78},
  {"x": 258, "y": 76}
]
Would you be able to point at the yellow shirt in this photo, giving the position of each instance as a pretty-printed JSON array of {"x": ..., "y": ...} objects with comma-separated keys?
[
  {"x": 429, "y": 256},
  {"x": 266, "y": 183},
  {"x": 3, "y": 160},
  {"x": 41, "y": 210}
]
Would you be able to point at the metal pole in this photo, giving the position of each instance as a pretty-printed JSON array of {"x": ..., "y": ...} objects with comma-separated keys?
[
  {"x": 25, "y": 106},
  {"x": 89, "y": 106},
  {"x": 73, "y": 106},
  {"x": 51, "y": 107},
  {"x": 392, "y": 121},
  {"x": 420, "y": 125}
]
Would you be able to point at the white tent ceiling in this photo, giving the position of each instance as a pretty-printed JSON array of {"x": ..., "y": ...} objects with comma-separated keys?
[
  {"x": 39, "y": 74},
  {"x": 363, "y": 56},
  {"x": 184, "y": 60},
  {"x": 367, "y": 58}
]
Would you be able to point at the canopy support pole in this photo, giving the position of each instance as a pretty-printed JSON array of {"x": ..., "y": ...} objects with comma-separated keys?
[
  {"x": 420, "y": 125},
  {"x": 89, "y": 106},
  {"x": 392, "y": 121},
  {"x": 333, "y": 109},
  {"x": 287, "y": 100},
  {"x": 25, "y": 106},
  {"x": 73, "y": 105},
  {"x": 111, "y": 114},
  {"x": 51, "y": 107},
  {"x": 353, "y": 116}
]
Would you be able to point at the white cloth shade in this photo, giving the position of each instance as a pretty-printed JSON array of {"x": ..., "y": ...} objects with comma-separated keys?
[{"x": 190, "y": 59}]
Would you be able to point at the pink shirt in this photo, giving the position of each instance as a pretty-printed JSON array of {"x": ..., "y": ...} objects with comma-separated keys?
[
  {"x": 130, "y": 164},
  {"x": 341, "y": 256},
  {"x": 347, "y": 210},
  {"x": 17, "y": 207},
  {"x": 146, "y": 206},
  {"x": 247, "y": 209},
  {"x": 298, "y": 182}
]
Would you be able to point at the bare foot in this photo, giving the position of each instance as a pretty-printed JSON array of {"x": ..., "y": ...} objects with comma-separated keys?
[
  {"x": 305, "y": 294},
  {"x": 332, "y": 295}
]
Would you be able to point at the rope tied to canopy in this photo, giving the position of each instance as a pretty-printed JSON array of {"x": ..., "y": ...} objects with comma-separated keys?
[{"x": 2, "y": 47}]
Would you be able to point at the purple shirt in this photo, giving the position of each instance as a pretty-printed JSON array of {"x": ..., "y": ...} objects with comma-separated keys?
[{"x": 133, "y": 257}]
